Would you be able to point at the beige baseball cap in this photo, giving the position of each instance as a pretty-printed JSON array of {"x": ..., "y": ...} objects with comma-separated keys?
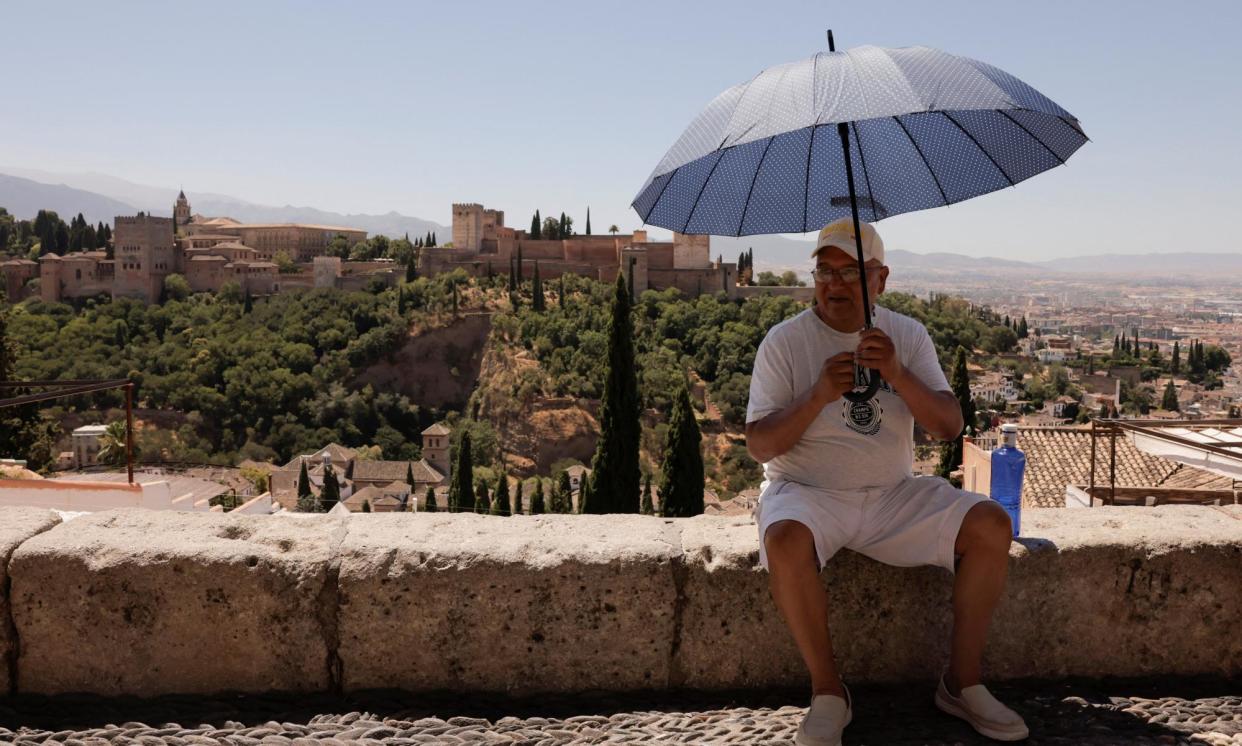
[{"x": 840, "y": 233}]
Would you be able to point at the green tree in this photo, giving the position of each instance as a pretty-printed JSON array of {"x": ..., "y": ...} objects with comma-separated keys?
[
  {"x": 584, "y": 495},
  {"x": 563, "y": 498},
  {"x": 1176, "y": 366},
  {"x": 614, "y": 468},
  {"x": 1169, "y": 401},
  {"x": 429, "y": 501},
  {"x": 330, "y": 495},
  {"x": 366, "y": 506},
  {"x": 1022, "y": 329},
  {"x": 409, "y": 475},
  {"x": 306, "y": 499},
  {"x": 461, "y": 490},
  {"x": 560, "y": 293},
  {"x": 613, "y": 229},
  {"x": 411, "y": 270},
  {"x": 483, "y": 503},
  {"x": 176, "y": 287},
  {"x": 536, "y": 227},
  {"x": 502, "y": 491},
  {"x": 681, "y": 473},
  {"x": 537, "y": 304},
  {"x": 951, "y": 453},
  {"x": 536, "y": 498},
  {"x": 588, "y": 222},
  {"x": 112, "y": 445},
  {"x": 646, "y": 507},
  {"x": 551, "y": 228},
  {"x": 517, "y": 495}
]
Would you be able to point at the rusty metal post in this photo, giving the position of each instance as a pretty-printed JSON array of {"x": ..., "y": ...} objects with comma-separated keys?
[
  {"x": 1112, "y": 466},
  {"x": 1091, "y": 476},
  {"x": 129, "y": 430}
]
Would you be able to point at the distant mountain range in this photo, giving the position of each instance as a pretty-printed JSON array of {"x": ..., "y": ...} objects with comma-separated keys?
[
  {"x": 777, "y": 252},
  {"x": 100, "y": 197}
]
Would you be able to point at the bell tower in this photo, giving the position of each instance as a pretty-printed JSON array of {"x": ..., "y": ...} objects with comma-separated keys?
[{"x": 181, "y": 210}]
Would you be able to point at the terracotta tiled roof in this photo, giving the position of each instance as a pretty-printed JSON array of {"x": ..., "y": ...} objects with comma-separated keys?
[
  {"x": 381, "y": 471},
  {"x": 1059, "y": 456},
  {"x": 1189, "y": 478},
  {"x": 424, "y": 472},
  {"x": 437, "y": 429}
]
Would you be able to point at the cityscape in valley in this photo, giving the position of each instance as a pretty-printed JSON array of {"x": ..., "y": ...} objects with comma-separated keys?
[{"x": 500, "y": 335}]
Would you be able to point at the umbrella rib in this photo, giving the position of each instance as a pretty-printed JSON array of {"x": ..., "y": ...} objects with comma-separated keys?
[
  {"x": 754, "y": 179},
  {"x": 671, "y": 175},
  {"x": 927, "y": 165},
  {"x": 866, "y": 176},
  {"x": 703, "y": 188},
  {"x": 1032, "y": 135},
  {"x": 980, "y": 147},
  {"x": 806, "y": 188}
]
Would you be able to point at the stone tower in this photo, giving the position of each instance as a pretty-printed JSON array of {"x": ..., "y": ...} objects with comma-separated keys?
[
  {"x": 691, "y": 251},
  {"x": 181, "y": 210},
  {"x": 468, "y": 226},
  {"x": 436, "y": 449}
]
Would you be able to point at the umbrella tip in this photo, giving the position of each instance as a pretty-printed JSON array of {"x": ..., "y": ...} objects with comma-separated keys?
[{"x": 832, "y": 47}]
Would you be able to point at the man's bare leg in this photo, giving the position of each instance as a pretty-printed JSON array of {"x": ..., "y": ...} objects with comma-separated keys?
[
  {"x": 793, "y": 577},
  {"x": 983, "y": 545}
]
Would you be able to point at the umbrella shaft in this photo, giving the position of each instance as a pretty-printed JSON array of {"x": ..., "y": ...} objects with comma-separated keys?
[{"x": 843, "y": 129}]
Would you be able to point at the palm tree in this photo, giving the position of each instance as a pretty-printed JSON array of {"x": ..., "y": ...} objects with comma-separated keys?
[
  {"x": 613, "y": 229},
  {"x": 112, "y": 445}
]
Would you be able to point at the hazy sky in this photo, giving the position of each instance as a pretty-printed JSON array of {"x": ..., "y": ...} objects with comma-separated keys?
[{"x": 378, "y": 106}]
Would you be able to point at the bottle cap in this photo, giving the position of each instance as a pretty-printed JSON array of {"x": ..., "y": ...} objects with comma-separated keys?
[{"x": 1009, "y": 427}]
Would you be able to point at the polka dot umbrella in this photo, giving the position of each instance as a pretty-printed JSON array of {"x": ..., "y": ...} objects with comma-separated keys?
[{"x": 867, "y": 133}]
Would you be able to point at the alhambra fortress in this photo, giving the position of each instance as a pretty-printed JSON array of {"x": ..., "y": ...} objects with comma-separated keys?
[{"x": 213, "y": 251}]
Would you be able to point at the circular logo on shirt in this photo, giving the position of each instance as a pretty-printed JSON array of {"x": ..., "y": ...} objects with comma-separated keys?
[{"x": 863, "y": 417}]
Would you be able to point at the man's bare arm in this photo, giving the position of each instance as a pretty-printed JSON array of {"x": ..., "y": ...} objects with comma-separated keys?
[
  {"x": 775, "y": 434},
  {"x": 938, "y": 412}
]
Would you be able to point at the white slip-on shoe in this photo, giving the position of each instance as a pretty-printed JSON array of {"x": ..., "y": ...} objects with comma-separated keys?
[
  {"x": 984, "y": 712},
  {"x": 824, "y": 721}
]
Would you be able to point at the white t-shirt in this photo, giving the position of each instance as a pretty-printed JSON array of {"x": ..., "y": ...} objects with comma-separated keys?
[{"x": 848, "y": 446}]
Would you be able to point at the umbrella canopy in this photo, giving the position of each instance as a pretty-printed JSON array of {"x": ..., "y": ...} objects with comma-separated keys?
[{"x": 925, "y": 129}]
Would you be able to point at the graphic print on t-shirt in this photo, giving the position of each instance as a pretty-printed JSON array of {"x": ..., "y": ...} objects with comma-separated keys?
[{"x": 864, "y": 417}]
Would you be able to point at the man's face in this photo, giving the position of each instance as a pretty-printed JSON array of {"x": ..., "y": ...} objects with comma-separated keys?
[{"x": 843, "y": 300}]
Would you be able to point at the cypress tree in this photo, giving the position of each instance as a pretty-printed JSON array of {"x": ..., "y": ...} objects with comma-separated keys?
[
  {"x": 409, "y": 475},
  {"x": 614, "y": 468},
  {"x": 411, "y": 270},
  {"x": 1169, "y": 402},
  {"x": 483, "y": 503},
  {"x": 536, "y": 498},
  {"x": 1176, "y": 365},
  {"x": 502, "y": 492},
  {"x": 536, "y": 289},
  {"x": 247, "y": 302},
  {"x": 517, "y": 496},
  {"x": 429, "y": 501},
  {"x": 1022, "y": 329},
  {"x": 366, "y": 506},
  {"x": 434, "y": 241},
  {"x": 330, "y": 495},
  {"x": 563, "y": 231},
  {"x": 584, "y": 495},
  {"x": 512, "y": 276},
  {"x": 646, "y": 507},
  {"x": 563, "y": 502},
  {"x": 951, "y": 453},
  {"x": 519, "y": 265},
  {"x": 630, "y": 281},
  {"x": 588, "y": 225},
  {"x": 461, "y": 491},
  {"x": 400, "y": 301},
  {"x": 306, "y": 499},
  {"x": 536, "y": 227},
  {"x": 681, "y": 473}
]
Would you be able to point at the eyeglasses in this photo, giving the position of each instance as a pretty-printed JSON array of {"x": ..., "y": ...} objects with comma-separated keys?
[{"x": 847, "y": 274}]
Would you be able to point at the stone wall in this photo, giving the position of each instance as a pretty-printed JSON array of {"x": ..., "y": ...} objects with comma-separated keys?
[{"x": 141, "y": 602}]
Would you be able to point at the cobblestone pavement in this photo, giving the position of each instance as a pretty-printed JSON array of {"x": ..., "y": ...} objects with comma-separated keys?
[{"x": 1064, "y": 712}]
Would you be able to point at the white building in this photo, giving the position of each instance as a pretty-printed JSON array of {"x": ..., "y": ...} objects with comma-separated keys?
[{"x": 86, "y": 445}]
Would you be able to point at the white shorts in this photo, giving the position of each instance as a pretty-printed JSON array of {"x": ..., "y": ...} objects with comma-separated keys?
[{"x": 914, "y": 522}]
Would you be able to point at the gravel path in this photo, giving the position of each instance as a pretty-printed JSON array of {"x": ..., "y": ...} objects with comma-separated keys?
[{"x": 1066, "y": 712}]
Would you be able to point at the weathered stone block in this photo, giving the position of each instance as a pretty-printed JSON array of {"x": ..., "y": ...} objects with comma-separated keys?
[
  {"x": 887, "y": 624},
  {"x": 145, "y": 602},
  {"x": 1124, "y": 591},
  {"x": 525, "y": 604},
  {"x": 16, "y": 526}
]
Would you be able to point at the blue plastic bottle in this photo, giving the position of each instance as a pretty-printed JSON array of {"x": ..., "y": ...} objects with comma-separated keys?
[{"x": 1008, "y": 468}]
